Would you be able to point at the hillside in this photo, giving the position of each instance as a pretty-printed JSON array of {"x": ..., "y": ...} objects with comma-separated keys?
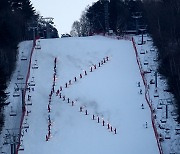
[{"x": 84, "y": 95}]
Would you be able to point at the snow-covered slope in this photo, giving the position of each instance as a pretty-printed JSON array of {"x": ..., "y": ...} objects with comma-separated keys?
[
  {"x": 110, "y": 92},
  {"x": 87, "y": 98},
  {"x": 164, "y": 115}
]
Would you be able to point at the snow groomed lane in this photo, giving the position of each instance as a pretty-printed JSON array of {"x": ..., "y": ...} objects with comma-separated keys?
[{"x": 109, "y": 92}]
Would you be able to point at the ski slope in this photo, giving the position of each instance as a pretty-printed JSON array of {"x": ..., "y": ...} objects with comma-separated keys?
[{"x": 110, "y": 93}]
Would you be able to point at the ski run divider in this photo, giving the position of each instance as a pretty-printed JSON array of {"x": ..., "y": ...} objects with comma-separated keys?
[
  {"x": 147, "y": 97},
  {"x": 24, "y": 110}
]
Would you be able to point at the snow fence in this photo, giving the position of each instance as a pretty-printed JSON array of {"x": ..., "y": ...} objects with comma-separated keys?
[
  {"x": 147, "y": 97},
  {"x": 24, "y": 111}
]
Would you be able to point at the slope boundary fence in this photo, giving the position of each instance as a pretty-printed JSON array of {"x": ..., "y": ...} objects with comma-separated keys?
[
  {"x": 24, "y": 111},
  {"x": 147, "y": 97}
]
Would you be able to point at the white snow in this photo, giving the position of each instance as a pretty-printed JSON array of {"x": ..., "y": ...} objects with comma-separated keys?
[
  {"x": 167, "y": 127},
  {"x": 109, "y": 92}
]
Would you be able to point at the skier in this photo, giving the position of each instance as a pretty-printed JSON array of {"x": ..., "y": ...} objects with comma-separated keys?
[
  {"x": 103, "y": 122},
  {"x": 142, "y": 106},
  {"x": 139, "y": 84},
  {"x": 68, "y": 100},
  {"x": 115, "y": 131},
  {"x": 146, "y": 125},
  {"x": 107, "y": 58},
  {"x": 57, "y": 92},
  {"x": 98, "y": 119},
  {"x": 49, "y": 109},
  {"x": 93, "y": 117},
  {"x": 29, "y": 97},
  {"x": 91, "y": 69},
  {"x": 140, "y": 91},
  {"x": 80, "y": 108},
  {"x": 64, "y": 98},
  {"x": 86, "y": 112},
  {"x": 69, "y": 82}
]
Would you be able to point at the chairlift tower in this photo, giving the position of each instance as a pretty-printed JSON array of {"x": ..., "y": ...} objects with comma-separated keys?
[
  {"x": 33, "y": 26},
  {"x": 143, "y": 29},
  {"x": 11, "y": 138},
  {"x": 22, "y": 94},
  {"x": 137, "y": 16},
  {"x": 106, "y": 13},
  {"x": 47, "y": 21}
]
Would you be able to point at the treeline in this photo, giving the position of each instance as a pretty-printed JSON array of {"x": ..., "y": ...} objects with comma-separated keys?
[
  {"x": 17, "y": 19},
  {"x": 162, "y": 19},
  {"x": 119, "y": 15}
]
